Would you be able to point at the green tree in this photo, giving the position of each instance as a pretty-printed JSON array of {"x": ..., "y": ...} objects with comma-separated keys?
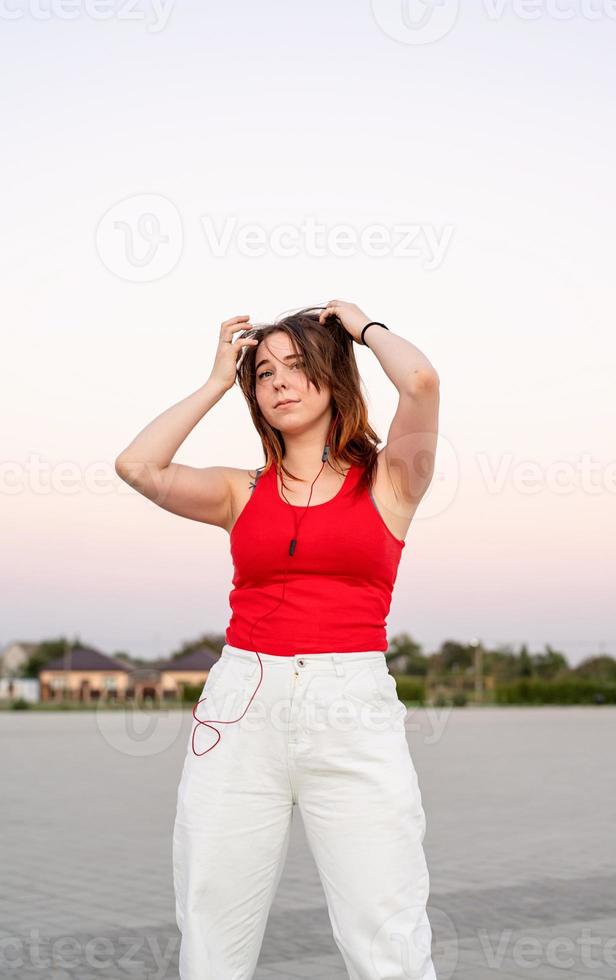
[
  {"x": 215, "y": 641},
  {"x": 456, "y": 657},
  {"x": 525, "y": 663},
  {"x": 550, "y": 663},
  {"x": 500, "y": 663},
  {"x": 45, "y": 651},
  {"x": 599, "y": 668},
  {"x": 415, "y": 663}
]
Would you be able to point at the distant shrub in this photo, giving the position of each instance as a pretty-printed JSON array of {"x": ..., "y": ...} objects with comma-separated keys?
[
  {"x": 440, "y": 701},
  {"x": 410, "y": 688},
  {"x": 459, "y": 699},
  {"x": 20, "y": 704},
  {"x": 191, "y": 693},
  {"x": 568, "y": 690}
]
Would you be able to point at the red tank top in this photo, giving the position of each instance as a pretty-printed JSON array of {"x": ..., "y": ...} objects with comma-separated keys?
[{"x": 339, "y": 581}]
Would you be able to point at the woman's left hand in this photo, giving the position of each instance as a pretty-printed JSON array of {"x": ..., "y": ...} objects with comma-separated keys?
[{"x": 351, "y": 317}]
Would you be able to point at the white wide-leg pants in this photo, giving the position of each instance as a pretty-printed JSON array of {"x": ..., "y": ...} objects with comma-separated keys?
[{"x": 326, "y": 732}]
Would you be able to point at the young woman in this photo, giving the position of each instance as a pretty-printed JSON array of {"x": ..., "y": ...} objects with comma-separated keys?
[{"x": 307, "y": 709}]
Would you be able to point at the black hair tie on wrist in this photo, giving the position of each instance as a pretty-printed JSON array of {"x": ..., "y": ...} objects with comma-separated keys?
[{"x": 371, "y": 324}]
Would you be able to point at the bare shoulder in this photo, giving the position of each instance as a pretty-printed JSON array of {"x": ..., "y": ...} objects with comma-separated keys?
[{"x": 241, "y": 482}]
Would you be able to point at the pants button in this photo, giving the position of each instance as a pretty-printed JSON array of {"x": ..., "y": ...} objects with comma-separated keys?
[{"x": 301, "y": 663}]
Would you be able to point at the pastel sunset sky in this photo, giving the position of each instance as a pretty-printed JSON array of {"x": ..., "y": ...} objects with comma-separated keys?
[{"x": 166, "y": 170}]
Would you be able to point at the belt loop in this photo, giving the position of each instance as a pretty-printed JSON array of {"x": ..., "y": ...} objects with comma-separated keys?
[{"x": 337, "y": 658}]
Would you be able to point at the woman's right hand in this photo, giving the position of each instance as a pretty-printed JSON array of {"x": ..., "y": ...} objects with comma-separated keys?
[{"x": 228, "y": 351}]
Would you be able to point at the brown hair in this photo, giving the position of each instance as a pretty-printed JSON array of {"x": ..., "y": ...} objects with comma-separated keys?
[{"x": 327, "y": 352}]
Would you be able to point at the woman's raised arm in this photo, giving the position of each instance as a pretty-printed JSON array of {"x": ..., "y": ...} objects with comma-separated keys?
[{"x": 202, "y": 494}]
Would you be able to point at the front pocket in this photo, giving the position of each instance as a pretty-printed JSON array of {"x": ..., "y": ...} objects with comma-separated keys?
[
  {"x": 228, "y": 686},
  {"x": 388, "y": 689},
  {"x": 215, "y": 673},
  {"x": 363, "y": 685},
  {"x": 385, "y": 683}
]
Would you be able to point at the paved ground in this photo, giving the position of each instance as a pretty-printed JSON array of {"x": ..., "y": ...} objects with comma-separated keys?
[{"x": 520, "y": 843}]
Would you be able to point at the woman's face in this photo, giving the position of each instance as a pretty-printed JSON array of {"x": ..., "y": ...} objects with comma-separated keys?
[{"x": 280, "y": 377}]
